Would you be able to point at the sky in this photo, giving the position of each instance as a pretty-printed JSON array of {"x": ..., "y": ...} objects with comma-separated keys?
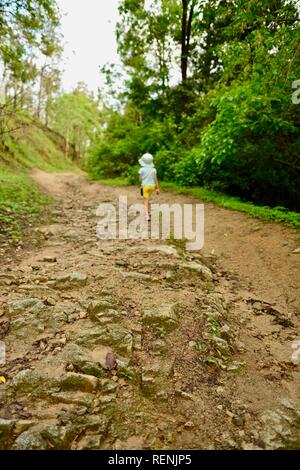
[{"x": 88, "y": 27}]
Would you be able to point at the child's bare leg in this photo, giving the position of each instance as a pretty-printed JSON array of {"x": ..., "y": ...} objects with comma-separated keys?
[{"x": 146, "y": 204}]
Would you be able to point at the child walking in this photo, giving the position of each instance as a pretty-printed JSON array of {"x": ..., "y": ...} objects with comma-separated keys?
[{"x": 148, "y": 181}]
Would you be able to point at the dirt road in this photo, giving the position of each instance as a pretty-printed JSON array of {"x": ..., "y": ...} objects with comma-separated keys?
[{"x": 138, "y": 344}]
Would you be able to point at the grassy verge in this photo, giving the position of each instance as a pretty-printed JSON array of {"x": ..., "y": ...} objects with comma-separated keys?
[
  {"x": 114, "y": 182},
  {"x": 21, "y": 204},
  {"x": 29, "y": 146},
  {"x": 265, "y": 213}
]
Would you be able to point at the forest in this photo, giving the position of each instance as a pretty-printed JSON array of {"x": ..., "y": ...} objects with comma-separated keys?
[
  {"x": 139, "y": 313},
  {"x": 208, "y": 89},
  {"x": 211, "y": 89}
]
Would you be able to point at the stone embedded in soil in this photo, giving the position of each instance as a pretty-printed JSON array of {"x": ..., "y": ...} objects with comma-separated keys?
[
  {"x": 89, "y": 443},
  {"x": 138, "y": 276},
  {"x": 257, "y": 306},
  {"x": 72, "y": 234},
  {"x": 70, "y": 280},
  {"x": 51, "y": 230},
  {"x": 29, "y": 440},
  {"x": 98, "y": 306},
  {"x": 50, "y": 301},
  {"x": 34, "y": 290},
  {"x": 235, "y": 366},
  {"x": 164, "y": 316},
  {"x": 28, "y": 381},
  {"x": 163, "y": 249},
  {"x": 203, "y": 270},
  {"x": 159, "y": 346},
  {"x": 6, "y": 429},
  {"x": 92, "y": 423},
  {"x": 115, "y": 336},
  {"x": 82, "y": 360},
  {"x": 58, "y": 437},
  {"x": 4, "y": 329},
  {"x": 49, "y": 259},
  {"x": 122, "y": 363},
  {"x": 103, "y": 312},
  {"x": 32, "y": 317},
  {"x": 281, "y": 430},
  {"x": 26, "y": 328},
  {"x": 107, "y": 386},
  {"x": 3, "y": 393},
  {"x": 238, "y": 420},
  {"x": 30, "y": 306},
  {"x": 155, "y": 378},
  {"x": 185, "y": 395},
  {"x": 23, "y": 425},
  {"x": 74, "y": 398},
  {"x": 72, "y": 381},
  {"x": 170, "y": 276},
  {"x": 7, "y": 279},
  {"x": 110, "y": 316},
  {"x": 221, "y": 344},
  {"x": 214, "y": 306}
]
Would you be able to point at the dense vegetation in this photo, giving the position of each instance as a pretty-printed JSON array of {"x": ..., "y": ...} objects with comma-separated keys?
[
  {"x": 40, "y": 126},
  {"x": 207, "y": 88},
  {"x": 30, "y": 145}
]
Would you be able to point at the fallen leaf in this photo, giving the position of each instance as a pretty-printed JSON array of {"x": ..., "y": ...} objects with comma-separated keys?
[
  {"x": 2, "y": 379},
  {"x": 111, "y": 361}
]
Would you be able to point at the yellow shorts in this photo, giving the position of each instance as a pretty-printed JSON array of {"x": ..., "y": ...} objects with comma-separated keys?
[{"x": 148, "y": 191}]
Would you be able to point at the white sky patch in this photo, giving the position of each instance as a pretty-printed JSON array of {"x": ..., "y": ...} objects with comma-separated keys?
[{"x": 88, "y": 27}]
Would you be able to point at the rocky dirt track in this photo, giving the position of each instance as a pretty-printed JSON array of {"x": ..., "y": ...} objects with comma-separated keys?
[{"x": 140, "y": 345}]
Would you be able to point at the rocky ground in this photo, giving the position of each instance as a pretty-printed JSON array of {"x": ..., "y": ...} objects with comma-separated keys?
[{"x": 140, "y": 345}]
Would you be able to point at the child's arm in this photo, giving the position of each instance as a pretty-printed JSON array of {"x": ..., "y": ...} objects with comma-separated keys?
[{"x": 157, "y": 185}]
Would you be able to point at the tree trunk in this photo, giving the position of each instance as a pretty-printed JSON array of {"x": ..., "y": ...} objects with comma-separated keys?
[
  {"x": 183, "y": 41},
  {"x": 2, "y": 84},
  {"x": 40, "y": 94},
  {"x": 186, "y": 32},
  {"x": 67, "y": 143},
  {"x": 15, "y": 100},
  {"x": 22, "y": 95}
]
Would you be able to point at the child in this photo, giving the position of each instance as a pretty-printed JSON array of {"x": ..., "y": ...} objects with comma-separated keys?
[{"x": 148, "y": 181}]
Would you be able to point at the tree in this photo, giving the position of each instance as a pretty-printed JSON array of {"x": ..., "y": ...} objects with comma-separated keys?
[
  {"x": 146, "y": 46},
  {"x": 188, "y": 7},
  {"x": 225, "y": 118},
  {"x": 27, "y": 29},
  {"x": 77, "y": 117}
]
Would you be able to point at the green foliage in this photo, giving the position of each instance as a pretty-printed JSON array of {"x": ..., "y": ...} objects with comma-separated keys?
[
  {"x": 231, "y": 126},
  {"x": 31, "y": 145},
  {"x": 161, "y": 331},
  {"x": 76, "y": 116},
  {"x": 265, "y": 213},
  {"x": 21, "y": 203},
  {"x": 28, "y": 34}
]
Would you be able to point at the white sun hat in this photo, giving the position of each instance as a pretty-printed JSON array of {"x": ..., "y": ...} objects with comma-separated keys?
[{"x": 146, "y": 161}]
